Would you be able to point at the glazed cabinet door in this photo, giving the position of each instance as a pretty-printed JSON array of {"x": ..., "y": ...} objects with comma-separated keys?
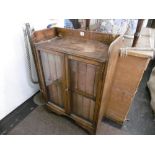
[
  {"x": 53, "y": 71},
  {"x": 84, "y": 78}
]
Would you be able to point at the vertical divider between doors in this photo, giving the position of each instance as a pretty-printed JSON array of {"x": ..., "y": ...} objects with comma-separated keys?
[
  {"x": 67, "y": 85},
  {"x": 98, "y": 92}
]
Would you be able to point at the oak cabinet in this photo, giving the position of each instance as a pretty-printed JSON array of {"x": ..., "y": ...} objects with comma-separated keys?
[{"x": 71, "y": 71}]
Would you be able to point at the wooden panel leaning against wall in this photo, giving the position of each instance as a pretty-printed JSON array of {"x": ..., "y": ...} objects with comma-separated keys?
[{"x": 124, "y": 86}]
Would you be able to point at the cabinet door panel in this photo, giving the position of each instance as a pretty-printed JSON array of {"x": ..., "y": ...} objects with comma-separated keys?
[
  {"x": 83, "y": 77},
  {"x": 82, "y": 106},
  {"x": 54, "y": 77},
  {"x": 83, "y": 84}
]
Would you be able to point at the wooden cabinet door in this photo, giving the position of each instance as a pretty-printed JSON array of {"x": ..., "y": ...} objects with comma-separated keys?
[
  {"x": 84, "y": 77},
  {"x": 53, "y": 71}
]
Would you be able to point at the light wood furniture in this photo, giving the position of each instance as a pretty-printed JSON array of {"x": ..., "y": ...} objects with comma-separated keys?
[
  {"x": 82, "y": 75},
  {"x": 128, "y": 73}
]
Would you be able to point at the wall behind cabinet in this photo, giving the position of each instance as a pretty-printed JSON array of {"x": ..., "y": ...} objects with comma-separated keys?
[{"x": 15, "y": 84}]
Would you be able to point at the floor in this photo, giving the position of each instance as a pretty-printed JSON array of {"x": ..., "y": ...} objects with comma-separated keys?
[{"x": 140, "y": 119}]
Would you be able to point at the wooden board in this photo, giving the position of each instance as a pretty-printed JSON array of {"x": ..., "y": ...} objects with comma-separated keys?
[
  {"x": 43, "y": 35},
  {"x": 76, "y": 46},
  {"x": 83, "y": 81},
  {"x": 129, "y": 72},
  {"x": 114, "y": 52},
  {"x": 46, "y": 34},
  {"x": 82, "y": 107}
]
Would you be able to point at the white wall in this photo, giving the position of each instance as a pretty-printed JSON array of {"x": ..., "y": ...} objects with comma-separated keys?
[{"x": 15, "y": 84}]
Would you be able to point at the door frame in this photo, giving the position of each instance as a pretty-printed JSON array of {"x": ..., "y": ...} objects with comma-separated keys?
[
  {"x": 99, "y": 86},
  {"x": 43, "y": 87}
]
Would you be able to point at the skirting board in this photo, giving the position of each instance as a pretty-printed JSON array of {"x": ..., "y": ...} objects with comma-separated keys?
[{"x": 17, "y": 115}]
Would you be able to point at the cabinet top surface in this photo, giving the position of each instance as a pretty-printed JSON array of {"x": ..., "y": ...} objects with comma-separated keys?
[{"x": 75, "y": 46}]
